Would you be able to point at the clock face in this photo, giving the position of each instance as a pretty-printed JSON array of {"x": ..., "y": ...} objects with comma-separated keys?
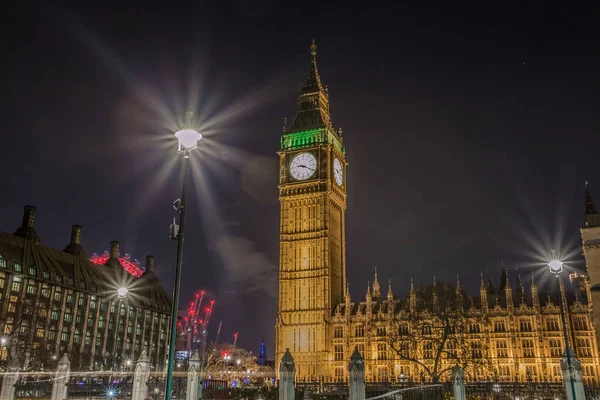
[
  {"x": 303, "y": 166},
  {"x": 338, "y": 172}
]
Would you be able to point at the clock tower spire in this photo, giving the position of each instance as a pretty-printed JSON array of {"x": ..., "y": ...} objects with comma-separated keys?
[{"x": 312, "y": 195}]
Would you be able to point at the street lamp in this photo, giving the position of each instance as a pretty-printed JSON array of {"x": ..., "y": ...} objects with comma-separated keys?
[
  {"x": 188, "y": 141},
  {"x": 121, "y": 294},
  {"x": 556, "y": 267}
]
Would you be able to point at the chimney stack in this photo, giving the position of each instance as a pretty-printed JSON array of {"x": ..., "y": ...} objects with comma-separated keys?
[
  {"x": 75, "y": 246},
  {"x": 76, "y": 234},
  {"x": 114, "y": 249},
  {"x": 149, "y": 263},
  {"x": 26, "y": 229},
  {"x": 28, "y": 217}
]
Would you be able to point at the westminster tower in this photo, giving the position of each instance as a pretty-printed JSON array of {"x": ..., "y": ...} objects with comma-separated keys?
[{"x": 312, "y": 260}]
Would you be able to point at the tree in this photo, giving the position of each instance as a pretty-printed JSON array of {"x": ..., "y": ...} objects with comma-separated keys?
[
  {"x": 435, "y": 342},
  {"x": 230, "y": 363}
]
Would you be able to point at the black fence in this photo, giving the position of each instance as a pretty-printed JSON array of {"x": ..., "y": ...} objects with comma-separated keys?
[{"x": 33, "y": 388}]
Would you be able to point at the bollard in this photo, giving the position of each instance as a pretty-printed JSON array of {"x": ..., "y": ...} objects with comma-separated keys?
[
  {"x": 458, "y": 383},
  {"x": 140, "y": 377},
  {"x": 10, "y": 379},
  {"x": 61, "y": 377},
  {"x": 287, "y": 374},
  {"x": 194, "y": 379},
  {"x": 356, "y": 373}
]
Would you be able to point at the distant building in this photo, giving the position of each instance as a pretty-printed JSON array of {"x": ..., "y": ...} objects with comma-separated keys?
[
  {"x": 262, "y": 355},
  {"x": 58, "y": 301},
  {"x": 516, "y": 332}
]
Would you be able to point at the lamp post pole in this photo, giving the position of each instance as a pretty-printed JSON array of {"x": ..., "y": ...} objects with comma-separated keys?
[
  {"x": 556, "y": 267},
  {"x": 188, "y": 139}
]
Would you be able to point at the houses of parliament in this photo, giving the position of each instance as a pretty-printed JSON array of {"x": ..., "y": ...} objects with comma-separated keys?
[{"x": 514, "y": 330}]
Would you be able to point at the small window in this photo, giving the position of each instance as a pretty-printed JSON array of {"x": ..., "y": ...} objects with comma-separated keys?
[
  {"x": 32, "y": 271},
  {"x": 45, "y": 275},
  {"x": 18, "y": 267},
  {"x": 338, "y": 333},
  {"x": 2, "y": 262},
  {"x": 31, "y": 289}
]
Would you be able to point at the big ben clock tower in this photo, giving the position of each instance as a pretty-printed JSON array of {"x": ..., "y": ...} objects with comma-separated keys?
[{"x": 312, "y": 260}]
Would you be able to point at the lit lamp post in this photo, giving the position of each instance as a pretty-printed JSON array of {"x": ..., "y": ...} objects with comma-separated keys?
[
  {"x": 556, "y": 267},
  {"x": 121, "y": 294},
  {"x": 3, "y": 352},
  {"x": 188, "y": 141}
]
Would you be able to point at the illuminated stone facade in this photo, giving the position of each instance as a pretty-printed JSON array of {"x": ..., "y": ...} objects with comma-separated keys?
[
  {"x": 54, "y": 302},
  {"x": 516, "y": 332},
  {"x": 312, "y": 269}
]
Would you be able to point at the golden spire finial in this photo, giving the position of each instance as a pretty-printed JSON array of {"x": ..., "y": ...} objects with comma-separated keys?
[{"x": 313, "y": 48}]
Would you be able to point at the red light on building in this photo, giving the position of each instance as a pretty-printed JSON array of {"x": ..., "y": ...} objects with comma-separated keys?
[
  {"x": 130, "y": 265},
  {"x": 212, "y": 302}
]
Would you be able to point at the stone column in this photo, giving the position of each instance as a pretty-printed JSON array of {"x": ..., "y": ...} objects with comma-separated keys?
[
  {"x": 287, "y": 374},
  {"x": 458, "y": 383},
  {"x": 140, "y": 377},
  {"x": 7, "y": 392},
  {"x": 59, "y": 388},
  {"x": 356, "y": 374},
  {"x": 572, "y": 378},
  {"x": 194, "y": 379}
]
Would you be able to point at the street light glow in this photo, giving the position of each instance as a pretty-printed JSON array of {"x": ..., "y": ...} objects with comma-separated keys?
[
  {"x": 188, "y": 139},
  {"x": 122, "y": 292},
  {"x": 556, "y": 266},
  {"x": 3, "y": 341}
]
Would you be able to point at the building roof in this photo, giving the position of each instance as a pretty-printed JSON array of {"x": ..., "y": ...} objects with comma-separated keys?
[{"x": 71, "y": 268}]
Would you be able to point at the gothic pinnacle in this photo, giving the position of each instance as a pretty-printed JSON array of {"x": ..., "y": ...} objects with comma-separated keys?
[{"x": 390, "y": 294}]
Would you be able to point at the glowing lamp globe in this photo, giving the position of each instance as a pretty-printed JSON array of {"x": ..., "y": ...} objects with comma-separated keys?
[
  {"x": 556, "y": 266},
  {"x": 122, "y": 292},
  {"x": 3, "y": 341},
  {"x": 188, "y": 139}
]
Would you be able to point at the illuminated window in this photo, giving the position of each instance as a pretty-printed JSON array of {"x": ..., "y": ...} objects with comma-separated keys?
[
  {"x": 339, "y": 352},
  {"x": 88, "y": 337},
  {"x": 504, "y": 371},
  {"x": 580, "y": 324},
  {"x": 428, "y": 351},
  {"x": 361, "y": 348},
  {"x": 54, "y": 315},
  {"x": 359, "y": 331},
  {"x": 476, "y": 351},
  {"x": 499, "y": 325},
  {"x": 525, "y": 325},
  {"x": 382, "y": 374},
  {"x": 2, "y": 262},
  {"x": 381, "y": 331},
  {"x": 339, "y": 372},
  {"x": 552, "y": 325},
  {"x": 18, "y": 267},
  {"x": 12, "y": 307},
  {"x": 45, "y": 291},
  {"x": 474, "y": 328},
  {"x": 404, "y": 350},
  {"x": 501, "y": 349},
  {"x": 31, "y": 289},
  {"x": 43, "y": 312},
  {"x": 403, "y": 329},
  {"x": 32, "y": 271},
  {"x": 528, "y": 349},
  {"x": 57, "y": 295},
  {"x": 2, "y": 280},
  {"x": 427, "y": 330},
  {"x": 16, "y": 286},
  {"x": 583, "y": 347},
  {"x": 39, "y": 333},
  {"x": 338, "y": 333},
  {"x": 555, "y": 347},
  {"x": 69, "y": 298}
]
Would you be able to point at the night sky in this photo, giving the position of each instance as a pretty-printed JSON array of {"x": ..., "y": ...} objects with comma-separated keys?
[{"x": 469, "y": 131}]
